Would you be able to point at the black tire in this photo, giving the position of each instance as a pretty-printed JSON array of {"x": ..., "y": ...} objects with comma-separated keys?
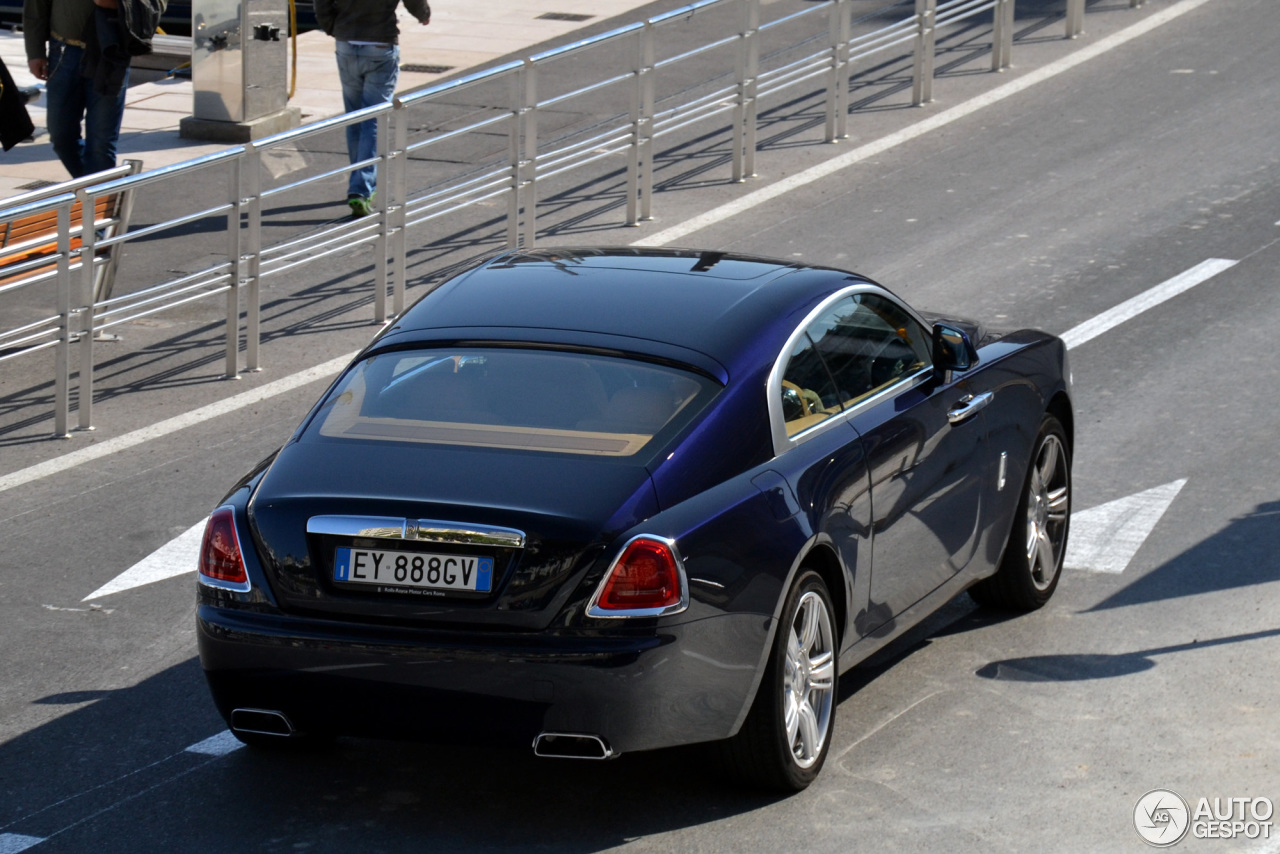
[
  {"x": 1032, "y": 562},
  {"x": 798, "y": 688}
]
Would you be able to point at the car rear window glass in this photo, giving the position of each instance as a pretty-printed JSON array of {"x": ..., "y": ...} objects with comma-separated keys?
[{"x": 531, "y": 400}]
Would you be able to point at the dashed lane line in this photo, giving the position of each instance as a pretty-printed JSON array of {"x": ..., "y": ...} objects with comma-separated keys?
[
  {"x": 210, "y": 749},
  {"x": 217, "y": 745},
  {"x": 1131, "y": 308},
  {"x": 12, "y": 843}
]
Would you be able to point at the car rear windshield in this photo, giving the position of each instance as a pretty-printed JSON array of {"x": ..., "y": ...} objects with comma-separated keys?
[{"x": 531, "y": 400}]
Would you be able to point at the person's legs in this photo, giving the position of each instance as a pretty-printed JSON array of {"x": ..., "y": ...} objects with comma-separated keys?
[
  {"x": 102, "y": 127},
  {"x": 368, "y": 74},
  {"x": 64, "y": 106},
  {"x": 381, "y": 70},
  {"x": 352, "y": 80}
]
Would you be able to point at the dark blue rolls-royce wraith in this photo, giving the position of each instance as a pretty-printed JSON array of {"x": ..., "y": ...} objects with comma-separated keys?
[{"x": 609, "y": 500}]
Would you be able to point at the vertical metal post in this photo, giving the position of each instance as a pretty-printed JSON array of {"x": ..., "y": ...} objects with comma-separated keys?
[
  {"x": 88, "y": 247},
  {"x": 529, "y": 161},
  {"x": 399, "y": 196},
  {"x": 251, "y": 185},
  {"x": 838, "y": 79},
  {"x": 381, "y": 179},
  {"x": 1075, "y": 18},
  {"x": 62, "y": 358},
  {"x": 752, "y": 87},
  {"x": 922, "y": 72},
  {"x": 233, "y": 258},
  {"x": 517, "y": 112},
  {"x": 1002, "y": 35},
  {"x": 744, "y": 131},
  {"x": 637, "y": 118},
  {"x": 846, "y": 38},
  {"x": 648, "y": 83}
]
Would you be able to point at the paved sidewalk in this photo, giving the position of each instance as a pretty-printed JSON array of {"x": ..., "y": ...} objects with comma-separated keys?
[{"x": 461, "y": 36}]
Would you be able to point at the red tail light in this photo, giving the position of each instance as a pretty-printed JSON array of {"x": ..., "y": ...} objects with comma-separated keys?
[
  {"x": 645, "y": 580},
  {"x": 221, "y": 563}
]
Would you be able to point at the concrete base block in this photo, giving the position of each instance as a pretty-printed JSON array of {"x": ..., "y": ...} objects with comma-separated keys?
[{"x": 210, "y": 130}]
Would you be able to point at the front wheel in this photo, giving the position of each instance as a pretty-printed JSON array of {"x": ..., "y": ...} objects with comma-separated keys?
[
  {"x": 786, "y": 736},
  {"x": 1032, "y": 562}
]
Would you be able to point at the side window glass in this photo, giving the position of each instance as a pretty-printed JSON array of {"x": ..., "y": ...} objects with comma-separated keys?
[
  {"x": 808, "y": 394},
  {"x": 869, "y": 343}
]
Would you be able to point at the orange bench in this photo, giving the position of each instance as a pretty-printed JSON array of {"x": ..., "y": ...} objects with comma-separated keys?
[{"x": 35, "y": 236}]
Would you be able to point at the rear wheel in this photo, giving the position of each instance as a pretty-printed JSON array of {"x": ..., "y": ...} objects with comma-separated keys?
[
  {"x": 785, "y": 738},
  {"x": 1032, "y": 562}
]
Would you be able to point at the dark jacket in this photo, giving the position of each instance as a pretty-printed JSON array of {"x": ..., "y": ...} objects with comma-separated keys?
[
  {"x": 15, "y": 124},
  {"x": 366, "y": 20},
  {"x": 114, "y": 36}
]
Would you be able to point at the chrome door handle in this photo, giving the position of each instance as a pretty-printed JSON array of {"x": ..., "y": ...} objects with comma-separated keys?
[{"x": 968, "y": 407}]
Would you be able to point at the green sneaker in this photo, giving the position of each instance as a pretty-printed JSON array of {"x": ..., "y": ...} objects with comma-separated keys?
[{"x": 360, "y": 206}]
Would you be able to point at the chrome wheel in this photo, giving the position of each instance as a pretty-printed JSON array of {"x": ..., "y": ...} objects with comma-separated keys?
[
  {"x": 1048, "y": 504},
  {"x": 1032, "y": 563},
  {"x": 784, "y": 741},
  {"x": 809, "y": 679}
]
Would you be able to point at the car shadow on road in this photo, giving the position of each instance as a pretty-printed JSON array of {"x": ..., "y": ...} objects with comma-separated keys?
[
  {"x": 1083, "y": 666},
  {"x": 114, "y": 774},
  {"x": 1240, "y": 555}
]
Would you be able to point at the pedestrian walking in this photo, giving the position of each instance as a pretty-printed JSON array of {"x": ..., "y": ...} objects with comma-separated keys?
[
  {"x": 82, "y": 49},
  {"x": 368, "y": 51}
]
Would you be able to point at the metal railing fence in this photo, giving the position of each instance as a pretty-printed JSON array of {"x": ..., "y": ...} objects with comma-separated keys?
[{"x": 830, "y": 43}]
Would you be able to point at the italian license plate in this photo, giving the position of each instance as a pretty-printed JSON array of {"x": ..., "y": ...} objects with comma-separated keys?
[{"x": 414, "y": 569}]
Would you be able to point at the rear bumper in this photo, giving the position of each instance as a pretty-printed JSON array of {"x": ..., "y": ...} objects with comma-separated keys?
[{"x": 638, "y": 689}]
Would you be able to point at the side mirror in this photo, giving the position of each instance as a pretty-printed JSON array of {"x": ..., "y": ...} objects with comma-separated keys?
[{"x": 952, "y": 351}]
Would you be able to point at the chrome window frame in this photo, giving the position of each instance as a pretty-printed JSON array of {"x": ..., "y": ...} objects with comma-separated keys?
[
  {"x": 593, "y": 606},
  {"x": 773, "y": 387}
]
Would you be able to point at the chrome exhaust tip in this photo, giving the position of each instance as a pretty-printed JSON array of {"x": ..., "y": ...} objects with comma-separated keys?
[
  {"x": 572, "y": 745},
  {"x": 261, "y": 722}
]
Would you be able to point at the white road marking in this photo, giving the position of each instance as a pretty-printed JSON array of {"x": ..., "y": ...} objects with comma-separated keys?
[
  {"x": 879, "y": 146},
  {"x": 1105, "y": 538},
  {"x": 217, "y": 745},
  {"x": 12, "y": 843},
  {"x": 176, "y": 557},
  {"x": 172, "y": 425},
  {"x": 1131, "y": 308}
]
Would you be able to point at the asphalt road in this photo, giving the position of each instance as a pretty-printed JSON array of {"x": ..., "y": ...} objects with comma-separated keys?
[{"x": 977, "y": 733}]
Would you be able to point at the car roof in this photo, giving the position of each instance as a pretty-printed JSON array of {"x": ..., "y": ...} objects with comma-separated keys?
[{"x": 715, "y": 303}]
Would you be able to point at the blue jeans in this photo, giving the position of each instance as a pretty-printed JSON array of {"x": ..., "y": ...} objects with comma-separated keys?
[
  {"x": 69, "y": 100},
  {"x": 368, "y": 74}
]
